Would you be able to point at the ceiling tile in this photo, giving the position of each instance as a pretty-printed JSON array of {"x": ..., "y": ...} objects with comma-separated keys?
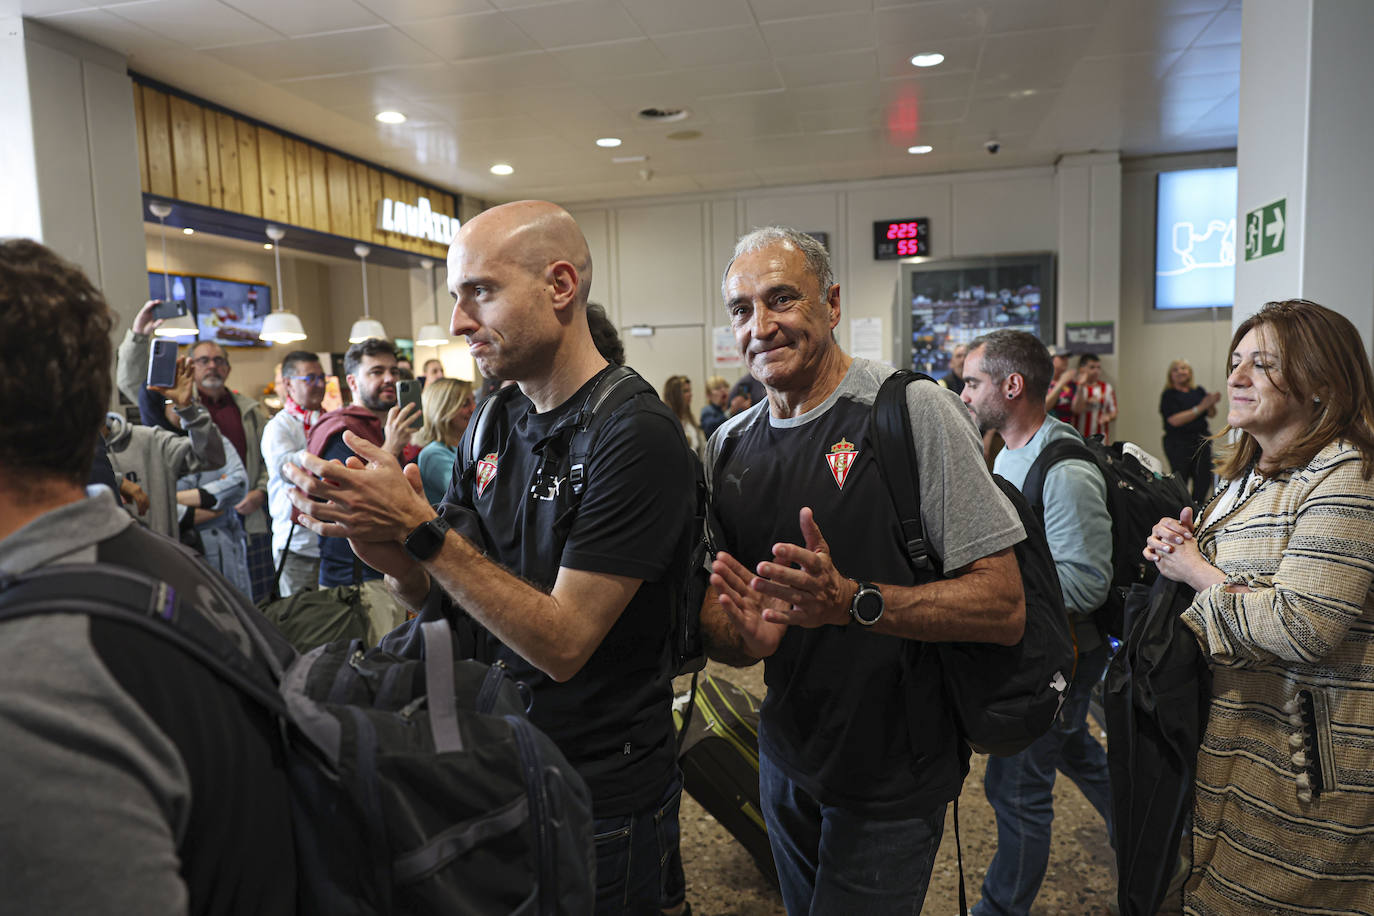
[
  {"x": 1206, "y": 61},
  {"x": 661, "y": 17},
  {"x": 847, "y": 66},
  {"x": 768, "y": 10},
  {"x": 713, "y": 46},
  {"x": 1007, "y": 116},
  {"x": 321, "y": 55},
  {"x": 108, "y": 30},
  {"x": 1131, "y": 28},
  {"x": 925, "y": 25},
  {"x": 1020, "y": 16},
  {"x": 196, "y": 23},
  {"x": 350, "y": 89},
  {"x": 1224, "y": 30},
  {"x": 471, "y": 35},
  {"x": 576, "y": 22},
  {"x": 728, "y": 181},
  {"x": 820, "y": 34},
  {"x": 397, "y": 11},
  {"x": 935, "y": 87},
  {"x": 307, "y": 17},
  {"x": 509, "y": 71},
  {"x": 619, "y": 58},
  {"x": 1224, "y": 117},
  {"x": 1016, "y": 63},
  {"x": 37, "y": 9}
]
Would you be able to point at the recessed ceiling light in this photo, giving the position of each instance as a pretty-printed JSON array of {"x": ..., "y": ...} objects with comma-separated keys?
[
  {"x": 608, "y": 142},
  {"x": 501, "y": 168},
  {"x": 188, "y": 231},
  {"x": 662, "y": 115},
  {"x": 391, "y": 117},
  {"x": 928, "y": 59},
  {"x": 919, "y": 150},
  {"x": 267, "y": 246}
]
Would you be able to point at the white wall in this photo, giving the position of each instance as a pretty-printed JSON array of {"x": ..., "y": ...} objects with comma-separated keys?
[{"x": 659, "y": 262}]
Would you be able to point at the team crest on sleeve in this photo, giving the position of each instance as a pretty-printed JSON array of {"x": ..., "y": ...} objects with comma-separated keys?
[
  {"x": 486, "y": 471},
  {"x": 841, "y": 458}
]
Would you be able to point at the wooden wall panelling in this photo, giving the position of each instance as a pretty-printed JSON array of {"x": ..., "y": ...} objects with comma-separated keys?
[
  {"x": 189, "y": 168},
  {"x": 293, "y": 195},
  {"x": 374, "y": 194},
  {"x": 341, "y": 221},
  {"x": 215, "y": 184},
  {"x": 230, "y": 180},
  {"x": 157, "y": 131},
  {"x": 319, "y": 188},
  {"x": 250, "y": 169},
  {"x": 139, "y": 123},
  {"x": 275, "y": 186},
  {"x": 305, "y": 189},
  {"x": 357, "y": 190}
]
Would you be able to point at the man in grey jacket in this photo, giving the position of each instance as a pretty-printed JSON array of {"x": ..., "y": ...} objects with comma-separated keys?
[
  {"x": 239, "y": 418},
  {"x": 135, "y": 780}
]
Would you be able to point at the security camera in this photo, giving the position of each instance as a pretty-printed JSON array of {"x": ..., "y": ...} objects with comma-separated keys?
[{"x": 992, "y": 146}]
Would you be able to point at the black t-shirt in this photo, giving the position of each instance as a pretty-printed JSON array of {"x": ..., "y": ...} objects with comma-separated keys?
[
  {"x": 836, "y": 717},
  {"x": 1171, "y": 402},
  {"x": 613, "y": 718},
  {"x": 338, "y": 564}
]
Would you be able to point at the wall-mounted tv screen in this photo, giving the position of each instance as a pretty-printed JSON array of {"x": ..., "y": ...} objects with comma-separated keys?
[
  {"x": 231, "y": 313},
  {"x": 944, "y": 303},
  {"x": 1195, "y": 239},
  {"x": 171, "y": 287}
]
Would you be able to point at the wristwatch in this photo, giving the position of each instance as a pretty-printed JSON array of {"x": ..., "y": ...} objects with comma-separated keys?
[
  {"x": 425, "y": 540},
  {"x": 867, "y": 607}
]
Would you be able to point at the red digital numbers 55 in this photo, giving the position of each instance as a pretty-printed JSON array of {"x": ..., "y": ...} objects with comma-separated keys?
[
  {"x": 901, "y": 230},
  {"x": 908, "y": 247}
]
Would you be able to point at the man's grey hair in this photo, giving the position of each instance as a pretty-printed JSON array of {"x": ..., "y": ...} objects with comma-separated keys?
[
  {"x": 816, "y": 257},
  {"x": 1007, "y": 351}
]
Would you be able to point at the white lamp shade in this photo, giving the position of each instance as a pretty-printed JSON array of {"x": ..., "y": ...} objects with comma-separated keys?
[
  {"x": 180, "y": 326},
  {"x": 282, "y": 327},
  {"x": 431, "y": 335},
  {"x": 364, "y": 328}
]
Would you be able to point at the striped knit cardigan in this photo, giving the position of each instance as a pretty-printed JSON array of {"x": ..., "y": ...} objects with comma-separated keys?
[{"x": 1284, "y": 810}]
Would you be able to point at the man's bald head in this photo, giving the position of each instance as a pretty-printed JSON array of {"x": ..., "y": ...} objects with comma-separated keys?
[{"x": 534, "y": 234}]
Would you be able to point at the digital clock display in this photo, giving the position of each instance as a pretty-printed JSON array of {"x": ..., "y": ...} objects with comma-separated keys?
[{"x": 901, "y": 238}]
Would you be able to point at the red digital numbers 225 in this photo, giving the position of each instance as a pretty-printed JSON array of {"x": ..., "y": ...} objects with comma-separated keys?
[{"x": 902, "y": 231}]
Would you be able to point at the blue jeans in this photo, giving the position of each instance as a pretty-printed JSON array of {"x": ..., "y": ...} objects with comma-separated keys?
[
  {"x": 832, "y": 862},
  {"x": 1020, "y": 789},
  {"x": 638, "y": 866}
]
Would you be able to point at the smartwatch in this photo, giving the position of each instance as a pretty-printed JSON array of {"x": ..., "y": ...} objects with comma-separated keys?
[
  {"x": 425, "y": 540},
  {"x": 867, "y": 607}
]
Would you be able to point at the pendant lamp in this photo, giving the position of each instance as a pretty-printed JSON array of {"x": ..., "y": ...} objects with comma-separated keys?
[
  {"x": 280, "y": 326},
  {"x": 432, "y": 335},
  {"x": 181, "y": 325},
  {"x": 366, "y": 326}
]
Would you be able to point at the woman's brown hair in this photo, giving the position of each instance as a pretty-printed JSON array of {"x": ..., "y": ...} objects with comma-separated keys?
[
  {"x": 1321, "y": 359},
  {"x": 674, "y": 395}
]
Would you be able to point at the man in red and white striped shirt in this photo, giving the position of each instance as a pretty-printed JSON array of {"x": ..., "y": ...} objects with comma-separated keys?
[{"x": 1094, "y": 404}]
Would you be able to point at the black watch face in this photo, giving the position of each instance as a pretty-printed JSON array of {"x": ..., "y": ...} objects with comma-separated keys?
[{"x": 868, "y": 605}]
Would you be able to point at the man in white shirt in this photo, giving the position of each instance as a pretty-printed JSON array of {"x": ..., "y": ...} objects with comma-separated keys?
[{"x": 283, "y": 440}]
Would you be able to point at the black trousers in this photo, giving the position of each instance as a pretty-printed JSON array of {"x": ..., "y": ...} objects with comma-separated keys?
[{"x": 1192, "y": 460}]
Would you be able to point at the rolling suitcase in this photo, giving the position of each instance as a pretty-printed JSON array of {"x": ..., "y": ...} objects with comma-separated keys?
[{"x": 719, "y": 757}]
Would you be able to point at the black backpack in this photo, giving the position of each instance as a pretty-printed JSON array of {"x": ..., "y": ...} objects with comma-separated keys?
[
  {"x": 1136, "y": 499},
  {"x": 689, "y": 579},
  {"x": 1002, "y": 697},
  {"x": 417, "y": 786}
]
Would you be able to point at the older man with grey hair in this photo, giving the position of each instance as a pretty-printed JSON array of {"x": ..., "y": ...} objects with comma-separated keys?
[{"x": 854, "y": 775}]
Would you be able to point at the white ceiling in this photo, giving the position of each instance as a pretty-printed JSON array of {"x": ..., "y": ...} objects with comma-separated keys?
[{"x": 781, "y": 91}]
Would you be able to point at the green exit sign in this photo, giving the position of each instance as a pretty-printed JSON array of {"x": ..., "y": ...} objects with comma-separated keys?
[{"x": 1266, "y": 229}]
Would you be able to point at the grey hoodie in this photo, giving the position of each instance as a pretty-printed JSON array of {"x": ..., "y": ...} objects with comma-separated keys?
[{"x": 155, "y": 458}]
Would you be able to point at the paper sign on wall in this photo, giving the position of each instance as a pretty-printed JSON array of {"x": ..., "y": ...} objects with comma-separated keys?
[
  {"x": 724, "y": 349},
  {"x": 866, "y": 338}
]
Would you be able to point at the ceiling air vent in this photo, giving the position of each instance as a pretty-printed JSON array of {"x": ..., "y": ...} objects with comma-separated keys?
[{"x": 662, "y": 115}]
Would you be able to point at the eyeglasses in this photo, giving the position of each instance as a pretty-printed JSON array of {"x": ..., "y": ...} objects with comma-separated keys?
[
  {"x": 309, "y": 379},
  {"x": 203, "y": 361}
]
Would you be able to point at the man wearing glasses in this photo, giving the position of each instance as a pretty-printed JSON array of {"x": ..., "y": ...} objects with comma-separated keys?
[
  {"x": 242, "y": 420},
  {"x": 284, "y": 440}
]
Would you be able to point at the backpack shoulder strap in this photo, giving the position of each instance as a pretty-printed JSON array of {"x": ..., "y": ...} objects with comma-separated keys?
[
  {"x": 890, "y": 430},
  {"x": 482, "y": 423},
  {"x": 614, "y": 388},
  {"x": 119, "y": 593},
  {"x": 1033, "y": 487}
]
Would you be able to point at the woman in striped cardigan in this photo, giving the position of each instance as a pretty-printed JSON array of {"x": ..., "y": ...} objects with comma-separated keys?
[{"x": 1283, "y": 561}]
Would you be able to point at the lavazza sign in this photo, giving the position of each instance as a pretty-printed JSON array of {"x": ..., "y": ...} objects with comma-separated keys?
[{"x": 419, "y": 221}]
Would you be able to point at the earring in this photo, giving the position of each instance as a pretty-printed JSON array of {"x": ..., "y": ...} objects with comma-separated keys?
[{"x": 1316, "y": 400}]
